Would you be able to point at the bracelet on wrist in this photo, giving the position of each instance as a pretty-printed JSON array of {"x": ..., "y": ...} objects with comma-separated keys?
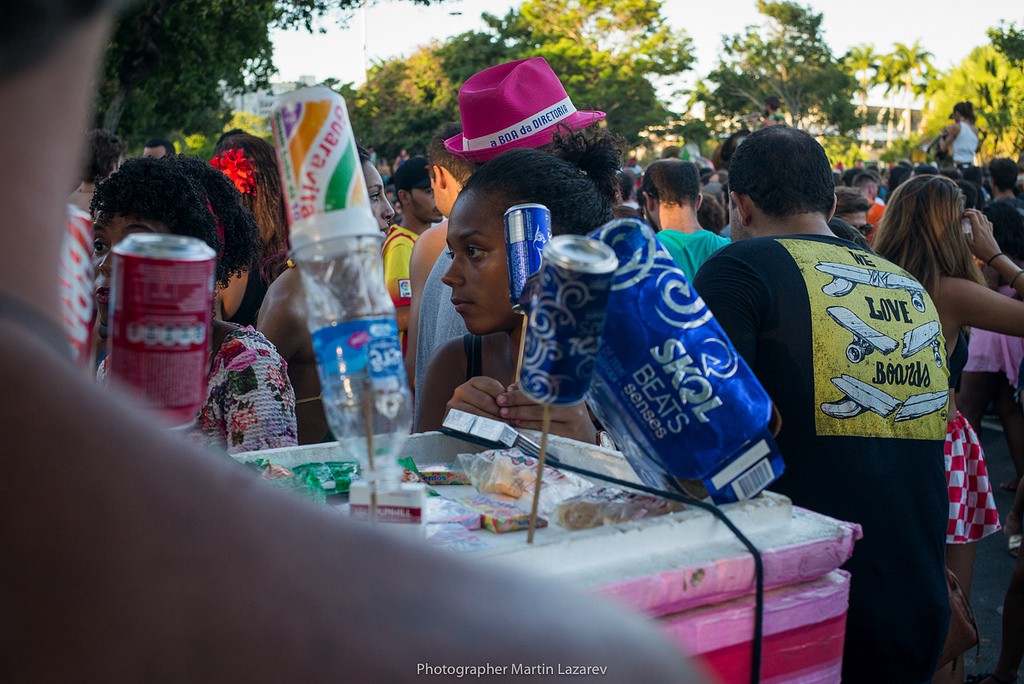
[
  {"x": 994, "y": 257},
  {"x": 1014, "y": 279}
]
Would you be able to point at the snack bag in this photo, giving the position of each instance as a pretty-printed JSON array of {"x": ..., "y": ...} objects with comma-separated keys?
[
  {"x": 610, "y": 506},
  {"x": 283, "y": 478},
  {"x": 510, "y": 472}
]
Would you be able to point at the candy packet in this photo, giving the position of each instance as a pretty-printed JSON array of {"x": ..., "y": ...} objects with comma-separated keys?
[
  {"x": 497, "y": 515},
  {"x": 334, "y": 477},
  {"x": 454, "y": 538},
  {"x": 441, "y": 474},
  {"x": 284, "y": 478},
  {"x": 441, "y": 511}
]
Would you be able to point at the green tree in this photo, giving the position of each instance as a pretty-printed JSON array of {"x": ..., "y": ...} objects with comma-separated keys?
[
  {"x": 995, "y": 86},
  {"x": 864, "y": 64},
  {"x": 605, "y": 54},
  {"x": 170, "y": 62},
  {"x": 890, "y": 82},
  {"x": 785, "y": 56},
  {"x": 842, "y": 149},
  {"x": 910, "y": 147},
  {"x": 403, "y": 103},
  {"x": 203, "y": 144},
  {"x": 1009, "y": 40},
  {"x": 908, "y": 69}
]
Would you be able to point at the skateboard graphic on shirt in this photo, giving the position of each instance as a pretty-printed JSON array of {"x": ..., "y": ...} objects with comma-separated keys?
[
  {"x": 860, "y": 397},
  {"x": 865, "y": 338},
  {"x": 871, "y": 346},
  {"x": 922, "y": 336},
  {"x": 846, "y": 277},
  {"x": 921, "y": 405}
]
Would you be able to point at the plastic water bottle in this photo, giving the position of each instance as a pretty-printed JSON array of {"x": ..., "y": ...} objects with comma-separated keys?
[
  {"x": 362, "y": 378},
  {"x": 336, "y": 245}
]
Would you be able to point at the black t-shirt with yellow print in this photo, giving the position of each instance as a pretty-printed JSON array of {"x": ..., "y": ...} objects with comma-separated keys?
[{"x": 850, "y": 349}]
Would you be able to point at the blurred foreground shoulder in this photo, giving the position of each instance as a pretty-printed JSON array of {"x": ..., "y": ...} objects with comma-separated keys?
[{"x": 135, "y": 549}]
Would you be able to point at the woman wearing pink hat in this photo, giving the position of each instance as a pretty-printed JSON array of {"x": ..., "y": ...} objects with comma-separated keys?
[
  {"x": 515, "y": 105},
  {"x": 511, "y": 106}
]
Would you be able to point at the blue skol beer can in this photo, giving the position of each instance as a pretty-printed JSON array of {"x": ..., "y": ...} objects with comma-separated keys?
[
  {"x": 527, "y": 231},
  {"x": 669, "y": 385},
  {"x": 567, "y": 302}
]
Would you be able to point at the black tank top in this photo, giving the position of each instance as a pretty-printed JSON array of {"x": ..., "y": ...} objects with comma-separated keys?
[
  {"x": 958, "y": 359},
  {"x": 473, "y": 345},
  {"x": 252, "y": 300}
]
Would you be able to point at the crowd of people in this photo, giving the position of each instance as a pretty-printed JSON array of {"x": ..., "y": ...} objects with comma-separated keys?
[
  {"x": 791, "y": 255},
  {"x": 139, "y": 554}
]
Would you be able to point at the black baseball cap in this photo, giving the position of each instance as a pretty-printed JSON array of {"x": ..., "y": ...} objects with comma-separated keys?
[{"x": 412, "y": 174}]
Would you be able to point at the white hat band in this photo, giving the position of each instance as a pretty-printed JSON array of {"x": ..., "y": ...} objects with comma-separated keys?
[{"x": 546, "y": 118}]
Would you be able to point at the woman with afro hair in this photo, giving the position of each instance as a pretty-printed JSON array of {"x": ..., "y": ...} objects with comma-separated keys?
[{"x": 250, "y": 404}]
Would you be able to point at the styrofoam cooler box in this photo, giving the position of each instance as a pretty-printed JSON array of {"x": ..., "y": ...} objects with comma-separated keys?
[
  {"x": 803, "y": 631},
  {"x": 687, "y": 570}
]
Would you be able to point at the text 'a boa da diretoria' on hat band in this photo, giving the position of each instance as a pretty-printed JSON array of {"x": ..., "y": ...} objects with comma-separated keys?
[{"x": 528, "y": 126}]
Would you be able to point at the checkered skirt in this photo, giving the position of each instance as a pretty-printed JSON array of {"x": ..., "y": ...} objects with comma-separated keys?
[{"x": 972, "y": 508}]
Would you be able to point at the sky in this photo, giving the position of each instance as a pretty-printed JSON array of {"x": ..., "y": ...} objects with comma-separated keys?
[{"x": 395, "y": 28}]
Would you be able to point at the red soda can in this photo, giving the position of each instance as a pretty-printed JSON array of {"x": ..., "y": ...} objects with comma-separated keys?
[
  {"x": 161, "y": 313},
  {"x": 76, "y": 273}
]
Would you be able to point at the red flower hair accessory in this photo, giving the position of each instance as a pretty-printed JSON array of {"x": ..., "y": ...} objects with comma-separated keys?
[{"x": 240, "y": 170}]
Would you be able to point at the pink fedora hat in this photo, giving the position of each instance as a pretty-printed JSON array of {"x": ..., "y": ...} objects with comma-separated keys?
[{"x": 513, "y": 105}]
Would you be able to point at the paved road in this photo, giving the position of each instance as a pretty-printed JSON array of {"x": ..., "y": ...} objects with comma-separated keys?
[{"x": 993, "y": 564}]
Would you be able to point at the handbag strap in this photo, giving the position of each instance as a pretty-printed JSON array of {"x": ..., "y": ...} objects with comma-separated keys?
[{"x": 958, "y": 603}]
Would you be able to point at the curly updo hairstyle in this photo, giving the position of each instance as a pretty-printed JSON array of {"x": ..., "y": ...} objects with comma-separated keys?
[{"x": 575, "y": 177}]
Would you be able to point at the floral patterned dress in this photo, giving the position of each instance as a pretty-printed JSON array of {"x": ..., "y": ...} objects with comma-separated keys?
[{"x": 250, "y": 404}]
